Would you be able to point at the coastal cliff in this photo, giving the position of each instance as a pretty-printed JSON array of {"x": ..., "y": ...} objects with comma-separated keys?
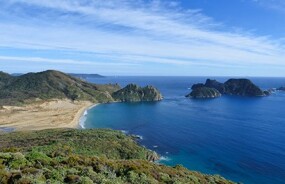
[
  {"x": 86, "y": 156},
  {"x": 239, "y": 87}
]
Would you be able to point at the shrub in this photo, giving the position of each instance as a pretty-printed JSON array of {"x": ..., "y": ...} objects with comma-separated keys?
[{"x": 38, "y": 157}]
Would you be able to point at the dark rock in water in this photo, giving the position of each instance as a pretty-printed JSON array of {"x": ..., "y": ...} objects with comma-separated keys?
[
  {"x": 213, "y": 89},
  {"x": 135, "y": 93},
  {"x": 242, "y": 87},
  {"x": 204, "y": 92},
  {"x": 269, "y": 91},
  {"x": 215, "y": 84},
  {"x": 281, "y": 89}
]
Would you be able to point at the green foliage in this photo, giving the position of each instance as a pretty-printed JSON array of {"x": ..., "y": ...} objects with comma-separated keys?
[
  {"x": 94, "y": 142},
  {"x": 49, "y": 85},
  {"x": 86, "y": 156},
  {"x": 134, "y": 93},
  {"x": 38, "y": 157}
]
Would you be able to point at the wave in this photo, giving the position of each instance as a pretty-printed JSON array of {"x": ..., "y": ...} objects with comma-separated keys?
[
  {"x": 164, "y": 158},
  {"x": 139, "y": 137},
  {"x": 83, "y": 118},
  {"x": 125, "y": 131}
]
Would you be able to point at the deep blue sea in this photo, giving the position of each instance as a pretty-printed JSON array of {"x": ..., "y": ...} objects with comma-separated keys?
[{"x": 240, "y": 138}]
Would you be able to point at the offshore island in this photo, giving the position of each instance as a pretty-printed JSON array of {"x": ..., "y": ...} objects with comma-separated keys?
[{"x": 44, "y": 110}]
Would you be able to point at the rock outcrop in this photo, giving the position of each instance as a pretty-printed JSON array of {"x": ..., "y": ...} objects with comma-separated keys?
[
  {"x": 215, "y": 84},
  {"x": 239, "y": 87},
  {"x": 135, "y": 93},
  {"x": 204, "y": 92},
  {"x": 242, "y": 87}
]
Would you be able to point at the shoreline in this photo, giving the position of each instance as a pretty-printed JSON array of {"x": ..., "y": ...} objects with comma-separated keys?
[
  {"x": 50, "y": 114},
  {"x": 82, "y": 118},
  {"x": 45, "y": 115}
]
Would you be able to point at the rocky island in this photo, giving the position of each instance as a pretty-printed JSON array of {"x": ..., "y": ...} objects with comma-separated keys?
[
  {"x": 135, "y": 93},
  {"x": 239, "y": 87}
]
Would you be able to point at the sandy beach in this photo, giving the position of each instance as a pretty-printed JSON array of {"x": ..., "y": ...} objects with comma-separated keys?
[{"x": 43, "y": 115}]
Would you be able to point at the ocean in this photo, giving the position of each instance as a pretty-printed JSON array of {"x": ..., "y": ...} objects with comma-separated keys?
[{"x": 240, "y": 138}]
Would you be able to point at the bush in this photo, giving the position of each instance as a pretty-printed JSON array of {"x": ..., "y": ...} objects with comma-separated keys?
[{"x": 39, "y": 158}]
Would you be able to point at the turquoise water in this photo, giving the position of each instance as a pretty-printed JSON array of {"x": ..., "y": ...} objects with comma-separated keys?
[{"x": 242, "y": 139}]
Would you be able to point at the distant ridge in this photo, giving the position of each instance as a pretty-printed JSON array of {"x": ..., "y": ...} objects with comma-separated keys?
[
  {"x": 79, "y": 75},
  {"x": 85, "y": 76}
]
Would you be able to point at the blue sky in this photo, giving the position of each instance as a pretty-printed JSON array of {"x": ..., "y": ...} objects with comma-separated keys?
[{"x": 144, "y": 37}]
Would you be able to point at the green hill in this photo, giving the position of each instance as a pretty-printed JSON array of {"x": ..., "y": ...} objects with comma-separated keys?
[
  {"x": 52, "y": 84},
  {"x": 16, "y": 90},
  {"x": 86, "y": 156}
]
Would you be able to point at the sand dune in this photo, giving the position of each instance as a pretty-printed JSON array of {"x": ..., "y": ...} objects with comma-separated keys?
[{"x": 43, "y": 115}]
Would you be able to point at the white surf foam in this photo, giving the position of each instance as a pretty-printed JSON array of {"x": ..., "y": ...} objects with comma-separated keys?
[
  {"x": 84, "y": 117},
  {"x": 124, "y": 131},
  {"x": 163, "y": 158},
  {"x": 139, "y": 137}
]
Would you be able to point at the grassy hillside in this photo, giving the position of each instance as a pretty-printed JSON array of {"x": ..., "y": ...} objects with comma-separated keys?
[
  {"x": 51, "y": 84},
  {"x": 85, "y": 156},
  {"x": 17, "y": 90}
]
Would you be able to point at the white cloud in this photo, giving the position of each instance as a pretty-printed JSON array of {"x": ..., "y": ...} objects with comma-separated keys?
[
  {"x": 59, "y": 61},
  {"x": 278, "y": 5},
  {"x": 135, "y": 32}
]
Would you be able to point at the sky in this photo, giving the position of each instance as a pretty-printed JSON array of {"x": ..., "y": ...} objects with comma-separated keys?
[{"x": 144, "y": 37}]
